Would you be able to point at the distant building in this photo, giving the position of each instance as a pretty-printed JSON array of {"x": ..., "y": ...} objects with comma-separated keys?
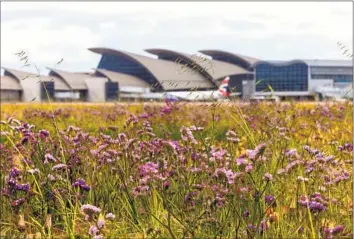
[
  {"x": 11, "y": 89},
  {"x": 121, "y": 75},
  {"x": 161, "y": 75},
  {"x": 243, "y": 83},
  {"x": 212, "y": 69},
  {"x": 301, "y": 78},
  {"x": 129, "y": 86},
  {"x": 297, "y": 78},
  {"x": 30, "y": 87}
]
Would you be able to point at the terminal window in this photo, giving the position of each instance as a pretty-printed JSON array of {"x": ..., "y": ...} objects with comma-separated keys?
[{"x": 292, "y": 77}]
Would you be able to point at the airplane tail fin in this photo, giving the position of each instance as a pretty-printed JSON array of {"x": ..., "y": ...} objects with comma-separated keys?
[{"x": 224, "y": 88}]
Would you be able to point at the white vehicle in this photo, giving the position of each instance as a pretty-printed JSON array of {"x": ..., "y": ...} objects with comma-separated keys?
[
  {"x": 335, "y": 93},
  {"x": 265, "y": 98}
]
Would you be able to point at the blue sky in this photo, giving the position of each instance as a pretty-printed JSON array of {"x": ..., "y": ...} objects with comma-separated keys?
[{"x": 49, "y": 32}]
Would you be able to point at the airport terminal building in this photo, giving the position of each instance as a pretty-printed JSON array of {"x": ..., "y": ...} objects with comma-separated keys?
[
  {"x": 302, "y": 77},
  {"x": 121, "y": 75}
]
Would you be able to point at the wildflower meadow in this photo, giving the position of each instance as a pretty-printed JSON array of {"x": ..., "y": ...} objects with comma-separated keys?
[{"x": 176, "y": 170}]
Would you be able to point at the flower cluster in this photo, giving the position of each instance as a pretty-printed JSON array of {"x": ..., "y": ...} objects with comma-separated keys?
[
  {"x": 172, "y": 171},
  {"x": 315, "y": 203},
  {"x": 81, "y": 184}
]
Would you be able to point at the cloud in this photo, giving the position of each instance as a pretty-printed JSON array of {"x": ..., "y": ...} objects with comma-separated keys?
[
  {"x": 51, "y": 31},
  {"x": 243, "y": 25}
]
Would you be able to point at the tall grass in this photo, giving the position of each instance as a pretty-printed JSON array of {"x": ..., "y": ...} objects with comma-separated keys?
[{"x": 178, "y": 170}]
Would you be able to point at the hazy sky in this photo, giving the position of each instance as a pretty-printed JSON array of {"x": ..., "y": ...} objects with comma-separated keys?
[{"x": 269, "y": 31}]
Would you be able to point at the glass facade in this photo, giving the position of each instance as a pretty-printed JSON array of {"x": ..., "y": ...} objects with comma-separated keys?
[
  {"x": 336, "y": 78},
  {"x": 126, "y": 65},
  {"x": 293, "y": 77},
  {"x": 112, "y": 90},
  {"x": 47, "y": 90}
]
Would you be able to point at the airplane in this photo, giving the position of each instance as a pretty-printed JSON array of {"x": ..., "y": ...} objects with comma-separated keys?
[{"x": 223, "y": 93}]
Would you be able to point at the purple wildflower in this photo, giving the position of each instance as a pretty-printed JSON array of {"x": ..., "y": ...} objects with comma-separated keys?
[
  {"x": 268, "y": 177},
  {"x": 231, "y": 133},
  {"x": 270, "y": 200},
  {"x": 219, "y": 201},
  {"x": 338, "y": 229},
  {"x": 166, "y": 185},
  {"x": 327, "y": 233},
  {"x": 43, "y": 134},
  {"x": 234, "y": 140},
  {"x": 18, "y": 202},
  {"x": 195, "y": 170},
  {"x": 249, "y": 168},
  {"x": 227, "y": 173},
  {"x": 246, "y": 214},
  {"x": 303, "y": 201},
  {"x": 89, "y": 209},
  {"x": 14, "y": 172},
  {"x": 292, "y": 165},
  {"x": 140, "y": 190},
  {"x": 93, "y": 231},
  {"x": 11, "y": 181},
  {"x": 24, "y": 140},
  {"x": 348, "y": 147},
  {"x": 189, "y": 197},
  {"x": 309, "y": 169},
  {"x": 194, "y": 128},
  {"x": 329, "y": 158},
  {"x": 85, "y": 187},
  {"x": 186, "y": 134},
  {"x": 241, "y": 161},
  {"x": 51, "y": 177},
  {"x": 166, "y": 110},
  {"x": 198, "y": 186},
  {"x": 315, "y": 203},
  {"x": 48, "y": 157},
  {"x": 148, "y": 168},
  {"x": 100, "y": 223},
  {"x": 232, "y": 136},
  {"x": 311, "y": 150},
  {"x": 217, "y": 154},
  {"x": 316, "y": 206},
  {"x": 263, "y": 226},
  {"x": 341, "y": 177},
  {"x": 81, "y": 183},
  {"x": 110, "y": 216},
  {"x": 251, "y": 154},
  {"x": 291, "y": 153},
  {"x": 22, "y": 187},
  {"x": 59, "y": 166},
  {"x": 251, "y": 227},
  {"x": 97, "y": 237}
]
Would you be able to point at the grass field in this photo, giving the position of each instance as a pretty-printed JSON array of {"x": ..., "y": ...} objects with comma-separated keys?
[{"x": 175, "y": 170}]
